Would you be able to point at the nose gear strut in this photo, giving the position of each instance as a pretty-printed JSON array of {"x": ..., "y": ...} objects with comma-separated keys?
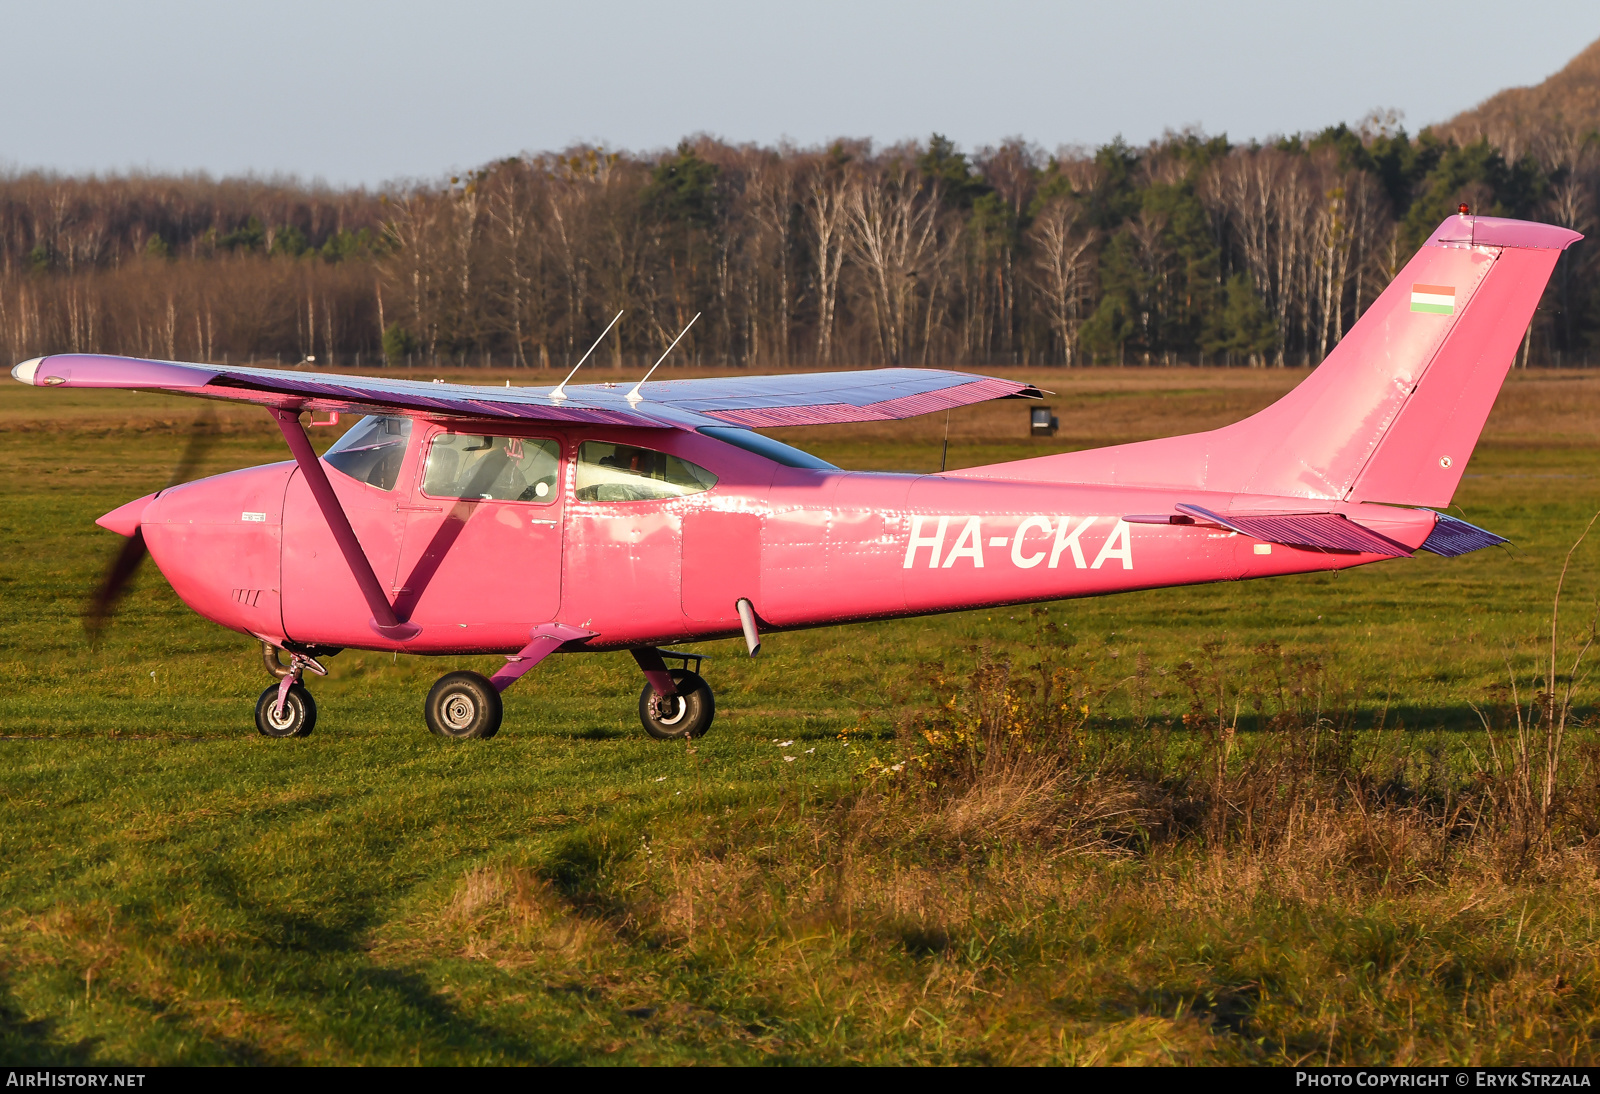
[
  {"x": 287, "y": 709},
  {"x": 269, "y": 657}
]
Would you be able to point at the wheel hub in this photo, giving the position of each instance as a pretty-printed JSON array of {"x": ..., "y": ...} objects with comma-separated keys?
[
  {"x": 670, "y": 711},
  {"x": 459, "y": 710}
]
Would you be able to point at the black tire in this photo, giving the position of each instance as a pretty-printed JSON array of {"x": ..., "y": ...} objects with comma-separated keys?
[
  {"x": 687, "y": 714},
  {"x": 463, "y": 706},
  {"x": 299, "y": 713}
]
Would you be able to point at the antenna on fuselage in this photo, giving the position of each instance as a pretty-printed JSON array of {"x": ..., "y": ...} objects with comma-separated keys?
[
  {"x": 634, "y": 396},
  {"x": 559, "y": 392}
]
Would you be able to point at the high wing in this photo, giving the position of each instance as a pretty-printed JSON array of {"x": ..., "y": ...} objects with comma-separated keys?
[{"x": 753, "y": 401}]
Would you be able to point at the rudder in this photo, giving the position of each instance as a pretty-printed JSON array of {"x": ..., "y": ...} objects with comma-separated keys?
[
  {"x": 1420, "y": 458},
  {"x": 1391, "y": 414}
]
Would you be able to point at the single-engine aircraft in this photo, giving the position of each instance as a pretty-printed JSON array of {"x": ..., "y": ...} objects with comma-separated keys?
[{"x": 456, "y": 519}]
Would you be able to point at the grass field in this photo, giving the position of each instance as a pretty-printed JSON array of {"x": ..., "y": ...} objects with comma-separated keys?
[{"x": 175, "y": 888}]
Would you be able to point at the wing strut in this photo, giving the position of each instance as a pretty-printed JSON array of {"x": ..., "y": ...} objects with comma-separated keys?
[{"x": 383, "y": 620}]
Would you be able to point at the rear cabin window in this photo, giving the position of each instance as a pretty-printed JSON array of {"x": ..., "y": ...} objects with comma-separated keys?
[
  {"x": 621, "y": 472},
  {"x": 776, "y": 451},
  {"x": 467, "y": 465},
  {"x": 372, "y": 451}
]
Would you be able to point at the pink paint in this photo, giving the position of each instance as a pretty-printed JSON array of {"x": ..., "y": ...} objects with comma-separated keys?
[
  {"x": 654, "y": 667},
  {"x": 544, "y": 640},
  {"x": 1502, "y": 232},
  {"x": 124, "y": 519},
  {"x": 297, "y": 553},
  {"x": 1317, "y": 442},
  {"x": 384, "y": 621}
]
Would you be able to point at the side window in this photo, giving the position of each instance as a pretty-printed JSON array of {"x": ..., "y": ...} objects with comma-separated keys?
[
  {"x": 372, "y": 451},
  {"x": 620, "y": 472},
  {"x": 465, "y": 465}
]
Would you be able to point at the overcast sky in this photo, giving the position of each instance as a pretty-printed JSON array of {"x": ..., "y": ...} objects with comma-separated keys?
[{"x": 368, "y": 92}]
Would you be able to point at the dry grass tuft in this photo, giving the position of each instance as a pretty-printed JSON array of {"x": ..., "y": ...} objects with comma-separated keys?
[{"x": 511, "y": 915}]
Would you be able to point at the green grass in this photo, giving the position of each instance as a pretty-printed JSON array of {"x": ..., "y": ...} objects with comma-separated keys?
[{"x": 175, "y": 888}]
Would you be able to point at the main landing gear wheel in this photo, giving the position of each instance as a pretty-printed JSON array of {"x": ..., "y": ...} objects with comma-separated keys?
[
  {"x": 463, "y": 705},
  {"x": 299, "y": 715},
  {"x": 686, "y": 714}
]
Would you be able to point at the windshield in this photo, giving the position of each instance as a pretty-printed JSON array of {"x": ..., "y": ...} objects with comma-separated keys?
[
  {"x": 776, "y": 451},
  {"x": 372, "y": 451},
  {"x": 468, "y": 465},
  {"x": 621, "y": 472}
]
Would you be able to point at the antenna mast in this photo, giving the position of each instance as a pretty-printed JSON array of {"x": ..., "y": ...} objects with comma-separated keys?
[
  {"x": 634, "y": 396},
  {"x": 559, "y": 391}
]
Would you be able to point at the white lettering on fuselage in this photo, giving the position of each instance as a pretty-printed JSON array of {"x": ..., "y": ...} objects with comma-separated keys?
[
  {"x": 970, "y": 545},
  {"x": 1027, "y": 543}
]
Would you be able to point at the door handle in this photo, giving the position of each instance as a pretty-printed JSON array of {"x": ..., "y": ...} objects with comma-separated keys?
[{"x": 419, "y": 508}]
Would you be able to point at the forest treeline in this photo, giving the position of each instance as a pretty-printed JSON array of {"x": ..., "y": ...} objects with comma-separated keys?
[{"x": 1189, "y": 249}]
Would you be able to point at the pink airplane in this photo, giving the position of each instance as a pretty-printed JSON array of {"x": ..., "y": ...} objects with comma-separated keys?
[{"x": 460, "y": 520}]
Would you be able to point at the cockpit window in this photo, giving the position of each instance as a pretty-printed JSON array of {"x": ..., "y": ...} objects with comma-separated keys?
[
  {"x": 372, "y": 451},
  {"x": 776, "y": 451},
  {"x": 620, "y": 472},
  {"x": 466, "y": 465}
]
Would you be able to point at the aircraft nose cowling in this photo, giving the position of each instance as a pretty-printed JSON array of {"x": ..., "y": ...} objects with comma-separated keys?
[{"x": 124, "y": 519}]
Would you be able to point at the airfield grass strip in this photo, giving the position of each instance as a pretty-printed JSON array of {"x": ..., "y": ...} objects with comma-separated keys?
[{"x": 1256, "y": 822}]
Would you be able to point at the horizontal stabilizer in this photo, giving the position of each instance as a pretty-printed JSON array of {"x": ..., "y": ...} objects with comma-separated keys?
[
  {"x": 1451, "y": 537},
  {"x": 1317, "y": 531}
]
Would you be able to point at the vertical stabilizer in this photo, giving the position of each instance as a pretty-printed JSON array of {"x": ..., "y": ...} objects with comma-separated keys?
[
  {"x": 1420, "y": 457},
  {"x": 1392, "y": 414}
]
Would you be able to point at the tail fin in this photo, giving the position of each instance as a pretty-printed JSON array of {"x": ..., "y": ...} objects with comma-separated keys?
[{"x": 1392, "y": 414}]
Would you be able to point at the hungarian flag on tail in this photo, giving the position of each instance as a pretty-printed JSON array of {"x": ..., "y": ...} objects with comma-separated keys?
[{"x": 1434, "y": 299}]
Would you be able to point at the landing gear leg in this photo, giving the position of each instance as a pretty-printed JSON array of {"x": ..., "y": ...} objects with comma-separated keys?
[
  {"x": 674, "y": 704},
  {"x": 286, "y": 709}
]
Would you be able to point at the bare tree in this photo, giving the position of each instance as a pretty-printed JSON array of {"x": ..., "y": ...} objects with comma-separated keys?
[
  {"x": 771, "y": 193},
  {"x": 895, "y": 240},
  {"x": 1062, "y": 244},
  {"x": 826, "y": 189}
]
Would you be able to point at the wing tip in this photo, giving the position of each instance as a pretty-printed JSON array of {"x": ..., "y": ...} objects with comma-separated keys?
[
  {"x": 25, "y": 372},
  {"x": 1028, "y": 391}
]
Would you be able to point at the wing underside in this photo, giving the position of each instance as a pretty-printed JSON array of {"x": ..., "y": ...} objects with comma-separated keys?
[{"x": 750, "y": 401}]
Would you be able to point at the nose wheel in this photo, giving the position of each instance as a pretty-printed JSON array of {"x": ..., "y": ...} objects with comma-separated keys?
[
  {"x": 295, "y": 716},
  {"x": 286, "y": 709}
]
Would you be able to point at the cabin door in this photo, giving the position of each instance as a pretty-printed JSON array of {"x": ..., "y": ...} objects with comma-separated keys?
[
  {"x": 322, "y": 604},
  {"x": 480, "y": 560}
]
